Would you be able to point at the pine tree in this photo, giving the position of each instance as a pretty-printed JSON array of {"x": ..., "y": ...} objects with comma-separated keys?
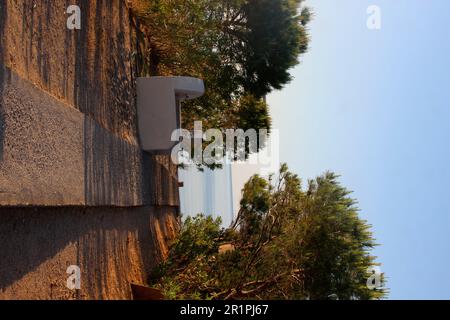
[{"x": 288, "y": 243}]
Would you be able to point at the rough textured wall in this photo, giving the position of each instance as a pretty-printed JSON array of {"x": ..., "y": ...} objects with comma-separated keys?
[
  {"x": 52, "y": 154},
  {"x": 48, "y": 69},
  {"x": 113, "y": 247},
  {"x": 75, "y": 187},
  {"x": 90, "y": 69},
  {"x": 42, "y": 147}
]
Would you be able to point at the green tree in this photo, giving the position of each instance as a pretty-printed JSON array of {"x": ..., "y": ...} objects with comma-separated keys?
[
  {"x": 288, "y": 243},
  {"x": 274, "y": 36},
  {"x": 333, "y": 243},
  {"x": 243, "y": 49}
]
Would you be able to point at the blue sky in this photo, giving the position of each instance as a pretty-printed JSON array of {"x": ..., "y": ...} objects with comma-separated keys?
[{"x": 374, "y": 106}]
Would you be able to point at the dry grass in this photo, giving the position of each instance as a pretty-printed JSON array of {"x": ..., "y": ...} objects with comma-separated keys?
[{"x": 137, "y": 5}]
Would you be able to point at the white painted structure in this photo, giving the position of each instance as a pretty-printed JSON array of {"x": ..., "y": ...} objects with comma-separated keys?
[{"x": 158, "y": 107}]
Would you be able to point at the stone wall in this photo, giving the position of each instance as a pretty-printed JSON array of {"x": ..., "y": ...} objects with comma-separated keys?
[
  {"x": 114, "y": 247},
  {"x": 75, "y": 187},
  {"x": 90, "y": 69}
]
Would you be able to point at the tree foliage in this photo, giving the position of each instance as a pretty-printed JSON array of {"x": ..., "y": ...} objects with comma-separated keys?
[
  {"x": 243, "y": 49},
  {"x": 287, "y": 243}
]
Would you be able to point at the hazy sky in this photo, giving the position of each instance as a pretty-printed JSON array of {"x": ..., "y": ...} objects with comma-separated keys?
[{"x": 374, "y": 106}]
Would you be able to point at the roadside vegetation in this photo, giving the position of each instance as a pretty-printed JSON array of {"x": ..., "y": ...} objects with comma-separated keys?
[
  {"x": 286, "y": 243},
  {"x": 243, "y": 49}
]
